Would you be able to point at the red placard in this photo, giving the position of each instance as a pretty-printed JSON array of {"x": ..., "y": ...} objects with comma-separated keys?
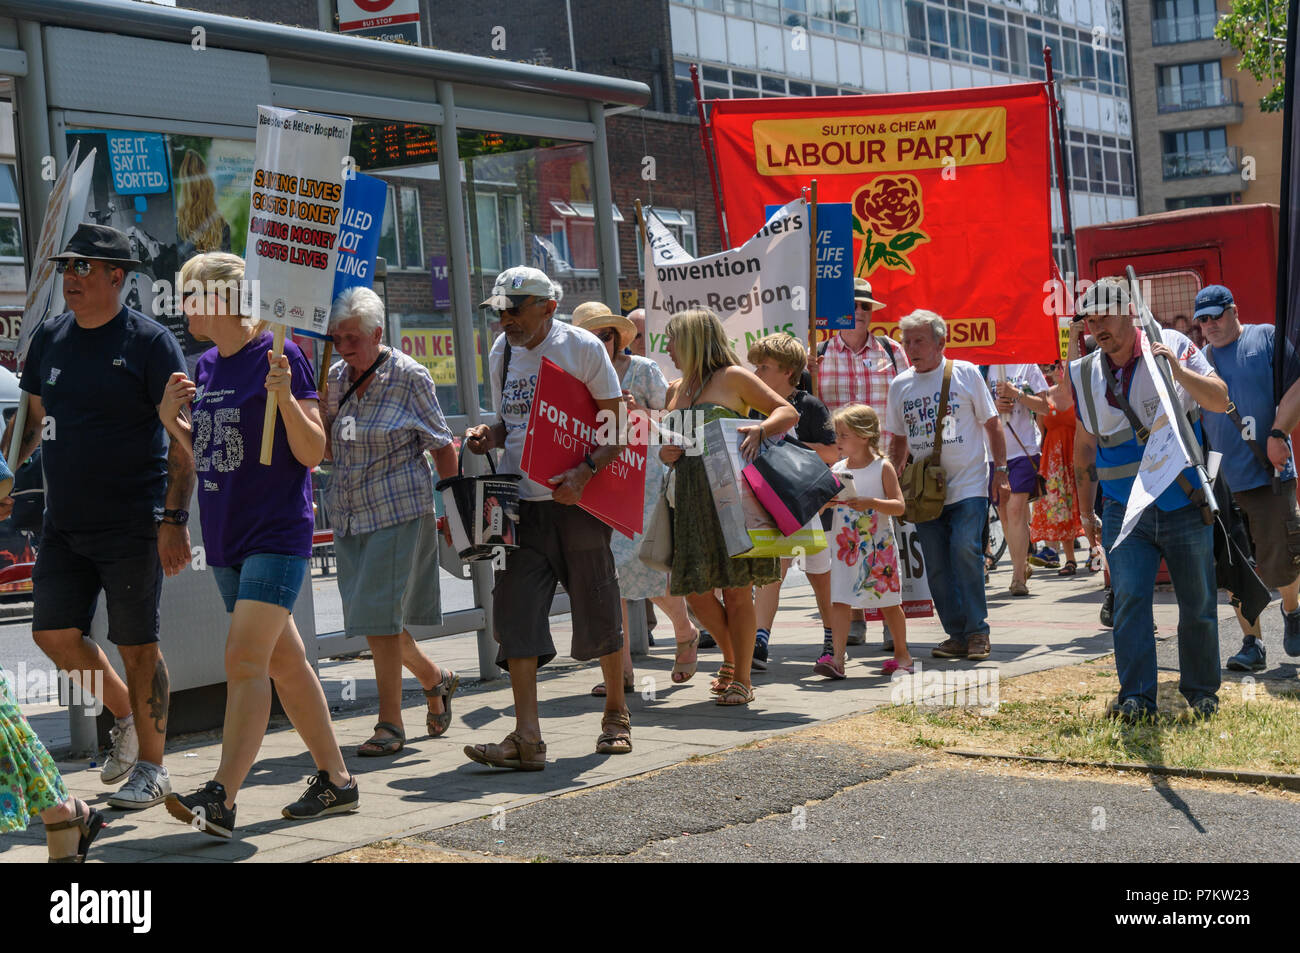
[
  {"x": 562, "y": 429},
  {"x": 950, "y": 198}
]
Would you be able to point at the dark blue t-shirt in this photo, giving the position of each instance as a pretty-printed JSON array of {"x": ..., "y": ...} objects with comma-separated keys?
[
  {"x": 105, "y": 450},
  {"x": 1246, "y": 366}
]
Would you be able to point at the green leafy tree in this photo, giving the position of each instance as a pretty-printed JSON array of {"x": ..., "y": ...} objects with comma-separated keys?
[{"x": 1258, "y": 29}]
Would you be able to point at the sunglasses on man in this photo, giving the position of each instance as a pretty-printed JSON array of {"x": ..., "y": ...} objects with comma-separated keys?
[{"x": 81, "y": 267}]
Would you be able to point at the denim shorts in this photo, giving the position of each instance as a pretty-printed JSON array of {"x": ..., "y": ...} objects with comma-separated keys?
[{"x": 265, "y": 577}]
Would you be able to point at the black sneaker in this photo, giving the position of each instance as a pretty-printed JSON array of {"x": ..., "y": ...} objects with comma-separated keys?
[
  {"x": 1207, "y": 706},
  {"x": 322, "y": 797},
  {"x": 1108, "y": 610},
  {"x": 205, "y": 810},
  {"x": 1252, "y": 657},
  {"x": 706, "y": 640},
  {"x": 1130, "y": 711},
  {"x": 759, "y": 663}
]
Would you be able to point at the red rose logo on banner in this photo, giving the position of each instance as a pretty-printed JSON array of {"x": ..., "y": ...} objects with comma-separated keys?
[
  {"x": 886, "y": 212},
  {"x": 950, "y": 193}
]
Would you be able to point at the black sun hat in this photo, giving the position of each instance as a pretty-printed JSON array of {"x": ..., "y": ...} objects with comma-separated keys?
[{"x": 101, "y": 243}]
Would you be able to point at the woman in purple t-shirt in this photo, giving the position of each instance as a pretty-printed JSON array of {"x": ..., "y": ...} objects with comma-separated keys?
[{"x": 257, "y": 528}]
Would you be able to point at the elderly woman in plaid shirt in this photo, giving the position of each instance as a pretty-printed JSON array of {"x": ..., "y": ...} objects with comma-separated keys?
[{"x": 382, "y": 413}]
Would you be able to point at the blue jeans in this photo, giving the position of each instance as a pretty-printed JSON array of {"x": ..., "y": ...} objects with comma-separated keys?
[
  {"x": 954, "y": 566},
  {"x": 1187, "y": 546}
]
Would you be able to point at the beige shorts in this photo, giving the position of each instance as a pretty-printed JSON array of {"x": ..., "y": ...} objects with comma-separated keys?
[{"x": 1275, "y": 531}]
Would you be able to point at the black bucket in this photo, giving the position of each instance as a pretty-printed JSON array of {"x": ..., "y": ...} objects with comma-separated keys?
[{"x": 482, "y": 511}]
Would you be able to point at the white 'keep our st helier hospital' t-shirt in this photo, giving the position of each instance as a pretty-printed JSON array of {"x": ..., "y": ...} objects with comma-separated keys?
[
  {"x": 911, "y": 412},
  {"x": 576, "y": 350}
]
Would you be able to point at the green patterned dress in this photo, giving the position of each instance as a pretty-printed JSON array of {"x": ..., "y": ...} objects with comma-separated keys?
[
  {"x": 700, "y": 560},
  {"x": 29, "y": 781}
]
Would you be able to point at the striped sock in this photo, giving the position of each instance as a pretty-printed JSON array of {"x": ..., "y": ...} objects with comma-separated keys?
[
  {"x": 828, "y": 647},
  {"x": 762, "y": 636}
]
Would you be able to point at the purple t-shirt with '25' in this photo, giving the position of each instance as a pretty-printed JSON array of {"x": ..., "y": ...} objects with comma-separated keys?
[{"x": 246, "y": 508}]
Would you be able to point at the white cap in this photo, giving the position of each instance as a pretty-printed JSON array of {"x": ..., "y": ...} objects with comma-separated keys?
[{"x": 521, "y": 282}]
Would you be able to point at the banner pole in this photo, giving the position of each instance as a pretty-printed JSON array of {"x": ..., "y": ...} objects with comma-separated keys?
[
  {"x": 812, "y": 284},
  {"x": 709, "y": 159},
  {"x": 323, "y": 376},
  {"x": 1062, "y": 182},
  {"x": 1193, "y": 446},
  {"x": 268, "y": 421}
]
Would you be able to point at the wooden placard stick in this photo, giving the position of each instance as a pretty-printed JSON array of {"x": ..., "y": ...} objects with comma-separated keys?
[
  {"x": 268, "y": 422},
  {"x": 323, "y": 375},
  {"x": 812, "y": 285}
]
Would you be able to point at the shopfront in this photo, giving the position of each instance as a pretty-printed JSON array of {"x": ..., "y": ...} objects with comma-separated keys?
[{"x": 486, "y": 163}]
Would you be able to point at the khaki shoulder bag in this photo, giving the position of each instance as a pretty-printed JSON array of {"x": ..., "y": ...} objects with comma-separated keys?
[{"x": 924, "y": 484}]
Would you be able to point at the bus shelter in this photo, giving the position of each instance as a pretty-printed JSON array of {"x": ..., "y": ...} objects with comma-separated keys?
[{"x": 487, "y": 163}]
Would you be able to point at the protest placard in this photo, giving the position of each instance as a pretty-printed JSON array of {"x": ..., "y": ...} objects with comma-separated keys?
[
  {"x": 911, "y": 565},
  {"x": 293, "y": 226},
  {"x": 563, "y": 428},
  {"x": 757, "y": 289}
]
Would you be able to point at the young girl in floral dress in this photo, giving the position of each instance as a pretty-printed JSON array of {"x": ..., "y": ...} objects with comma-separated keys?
[{"x": 864, "y": 566}]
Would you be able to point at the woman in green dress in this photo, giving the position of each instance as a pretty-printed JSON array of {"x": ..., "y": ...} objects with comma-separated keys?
[{"x": 713, "y": 385}]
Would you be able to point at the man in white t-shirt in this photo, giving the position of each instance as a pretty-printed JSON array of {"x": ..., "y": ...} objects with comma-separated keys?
[
  {"x": 1019, "y": 392},
  {"x": 952, "y": 543},
  {"x": 558, "y": 541}
]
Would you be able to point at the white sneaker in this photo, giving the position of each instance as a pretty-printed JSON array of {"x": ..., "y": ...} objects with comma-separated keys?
[
  {"x": 124, "y": 754},
  {"x": 146, "y": 787}
]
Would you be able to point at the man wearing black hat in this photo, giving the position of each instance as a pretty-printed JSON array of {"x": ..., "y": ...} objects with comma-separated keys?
[
  {"x": 116, "y": 495},
  {"x": 1254, "y": 436}
]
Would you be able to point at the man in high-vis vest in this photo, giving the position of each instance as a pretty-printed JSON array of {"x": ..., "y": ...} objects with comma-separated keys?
[{"x": 1117, "y": 402}]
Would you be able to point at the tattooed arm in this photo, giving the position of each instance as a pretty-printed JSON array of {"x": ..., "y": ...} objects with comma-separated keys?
[
  {"x": 173, "y": 540},
  {"x": 1085, "y": 480}
]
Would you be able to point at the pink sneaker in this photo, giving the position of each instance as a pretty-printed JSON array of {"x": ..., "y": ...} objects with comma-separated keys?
[{"x": 827, "y": 667}]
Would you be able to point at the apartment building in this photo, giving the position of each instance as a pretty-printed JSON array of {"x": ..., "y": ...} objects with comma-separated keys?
[{"x": 1201, "y": 137}]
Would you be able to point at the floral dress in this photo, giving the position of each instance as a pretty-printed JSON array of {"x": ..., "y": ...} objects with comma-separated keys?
[
  {"x": 29, "y": 781},
  {"x": 1056, "y": 512},
  {"x": 636, "y": 580},
  {"x": 864, "y": 555}
]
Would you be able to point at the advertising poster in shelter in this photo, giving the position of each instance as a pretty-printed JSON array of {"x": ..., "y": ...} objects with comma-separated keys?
[
  {"x": 757, "y": 289},
  {"x": 949, "y": 192},
  {"x": 297, "y": 212},
  {"x": 174, "y": 196}
]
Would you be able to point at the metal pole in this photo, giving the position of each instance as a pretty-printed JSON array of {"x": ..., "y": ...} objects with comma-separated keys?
[
  {"x": 464, "y": 351},
  {"x": 708, "y": 158},
  {"x": 325, "y": 15},
  {"x": 1193, "y": 446},
  {"x": 637, "y": 635},
  {"x": 1062, "y": 182},
  {"x": 812, "y": 284}
]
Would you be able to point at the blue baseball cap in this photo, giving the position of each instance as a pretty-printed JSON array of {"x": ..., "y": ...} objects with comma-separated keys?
[{"x": 1212, "y": 300}]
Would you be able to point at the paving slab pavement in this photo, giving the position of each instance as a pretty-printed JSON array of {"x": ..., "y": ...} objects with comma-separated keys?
[{"x": 432, "y": 785}]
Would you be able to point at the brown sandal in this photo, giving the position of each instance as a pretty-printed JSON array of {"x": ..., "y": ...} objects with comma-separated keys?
[
  {"x": 437, "y": 725},
  {"x": 598, "y": 690},
  {"x": 736, "y": 694},
  {"x": 684, "y": 671},
  {"x": 529, "y": 755},
  {"x": 726, "y": 673},
  {"x": 616, "y": 733}
]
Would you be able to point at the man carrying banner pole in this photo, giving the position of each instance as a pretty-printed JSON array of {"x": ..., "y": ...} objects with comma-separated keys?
[{"x": 1130, "y": 438}]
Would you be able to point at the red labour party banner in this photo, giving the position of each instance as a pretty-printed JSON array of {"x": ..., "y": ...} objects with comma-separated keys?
[
  {"x": 562, "y": 429},
  {"x": 950, "y": 194}
]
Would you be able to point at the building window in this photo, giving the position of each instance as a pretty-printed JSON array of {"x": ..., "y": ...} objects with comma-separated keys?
[
  {"x": 1200, "y": 201},
  {"x": 1193, "y": 86},
  {"x": 1197, "y": 152},
  {"x": 401, "y": 243},
  {"x": 1180, "y": 21},
  {"x": 11, "y": 236}
]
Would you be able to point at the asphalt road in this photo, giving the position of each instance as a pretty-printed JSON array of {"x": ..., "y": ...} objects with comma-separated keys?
[{"x": 794, "y": 801}]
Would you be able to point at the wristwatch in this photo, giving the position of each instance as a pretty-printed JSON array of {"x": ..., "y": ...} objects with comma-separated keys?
[
  {"x": 1280, "y": 435},
  {"x": 175, "y": 517},
  {"x": 1000, "y": 470}
]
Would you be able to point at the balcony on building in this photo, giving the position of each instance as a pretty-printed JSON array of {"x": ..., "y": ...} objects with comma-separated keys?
[
  {"x": 1184, "y": 29},
  {"x": 1191, "y": 165},
  {"x": 1206, "y": 95}
]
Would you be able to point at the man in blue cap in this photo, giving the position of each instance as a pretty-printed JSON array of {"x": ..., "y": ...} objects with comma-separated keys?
[{"x": 1254, "y": 436}]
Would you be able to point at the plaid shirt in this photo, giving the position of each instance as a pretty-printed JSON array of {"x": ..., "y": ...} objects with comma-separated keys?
[
  {"x": 860, "y": 377},
  {"x": 380, "y": 475}
]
